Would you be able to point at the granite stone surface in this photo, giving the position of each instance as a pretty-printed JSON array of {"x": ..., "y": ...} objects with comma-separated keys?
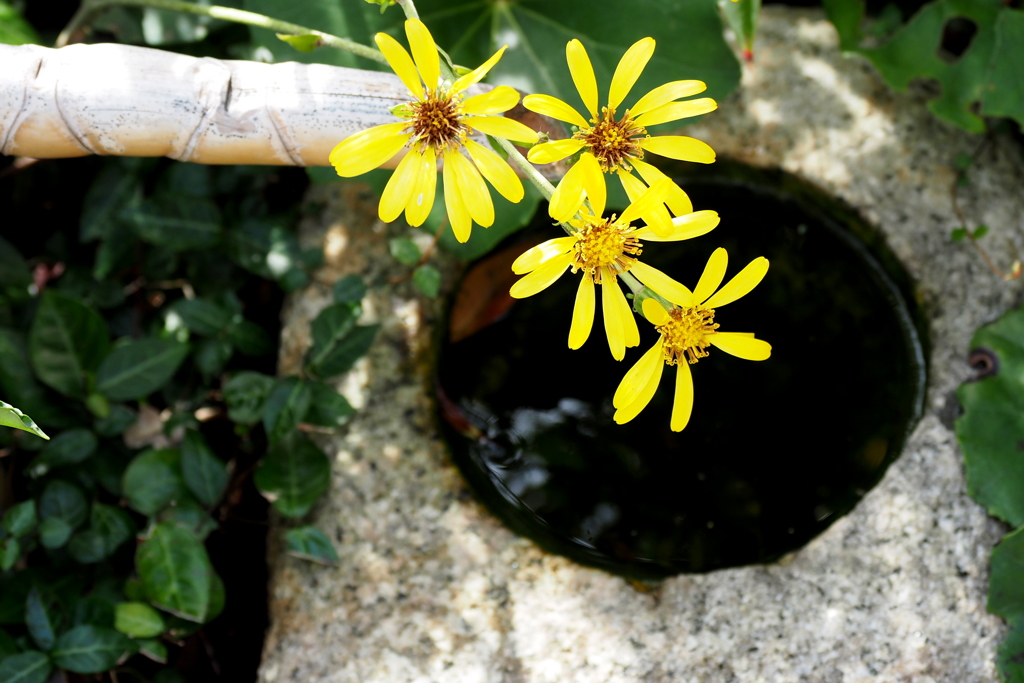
[{"x": 432, "y": 588}]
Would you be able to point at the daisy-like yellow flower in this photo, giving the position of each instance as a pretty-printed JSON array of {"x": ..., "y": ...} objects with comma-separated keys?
[
  {"x": 601, "y": 249},
  {"x": 686, "y": 332},
  {"x": 435, "y": 126},
  {"x": 618, "y": 145}
]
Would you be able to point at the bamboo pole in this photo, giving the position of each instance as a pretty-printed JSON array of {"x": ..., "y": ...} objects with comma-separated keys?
[{"x": 123, "y": 100}]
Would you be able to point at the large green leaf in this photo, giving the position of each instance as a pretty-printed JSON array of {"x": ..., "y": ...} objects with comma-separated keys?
[
  {"x": 139, "y": 368},
  {"x": 12, "y": 417},
  {"x": 285, "y": 407},
  {"x": 176, "y": 223},
  {"x": 90, "y": 649},
  {"x": 1006, "y": 598},
  {"x": 67, "y": 341},
  {"x": 28, "y": 667},
  {"x": 991, "y": 429},
  {"x": 293, "y": 475},
  {"x": 984, "y": 81},
  {"x": 153, "y": 480},
  {"x": 205, "y": 474},
  {"x": 176, "y": 572}
]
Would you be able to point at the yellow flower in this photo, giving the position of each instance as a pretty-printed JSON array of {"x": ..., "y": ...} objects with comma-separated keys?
[
  {"x": 435, "y": 126},
  {"x": 686, "y": 332},
  {"x": 603, "y": 248},
  {"x": 618, "y": 145}
]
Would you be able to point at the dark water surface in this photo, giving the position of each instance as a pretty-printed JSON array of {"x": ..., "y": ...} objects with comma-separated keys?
[{"x": 775, "y": 451}]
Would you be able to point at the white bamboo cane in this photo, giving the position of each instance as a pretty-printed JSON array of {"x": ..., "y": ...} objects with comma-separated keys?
[{"x": 133, "y": 101}]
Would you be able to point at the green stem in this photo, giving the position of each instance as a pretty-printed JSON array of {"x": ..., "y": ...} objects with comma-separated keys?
[{"x": 90, "y": 8}]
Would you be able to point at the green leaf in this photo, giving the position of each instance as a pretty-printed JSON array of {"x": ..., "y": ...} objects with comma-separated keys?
[
  {"x": 90, "y": 649},
  {"x": 20, "y": 518},
  {"x": 991, "y": 430},
  {"x": 245, "y": 394},
  {"x": 176, "y": 223},
  {"x": 14, "y": 271},
  {"x": 153, "y": 479},
  {"x": 427, "y": 279},
  {"x": 285, "y": 408},
  {"x": 250, "y": 338},
  {"x": 138, "y": 368},
  {"x": 28, "y": 667},
  {"x": 304, "y": 43},
  {"x": 67, "y": 448},
  {"x": 153, "y": 649},
  {"x": 404, "y": 250},
  {"x": 327, "y": 408},
  {"x": 293, "y": 475},
  {"x": 138, "y": 620},
  {"x": 986, "y": 73},
  {"x": 309, "y": 543},
  {"x": 202, "y": 316},
  {"x": 176, "y": 572},
  {"x": 66, "y": 343},
  {"x": 54, "y": 532},
  {"x": 349, "y": 290},
  {"x": 115, "y": 188},
  {"x": 64, "y": 501},
  {"x": 40, "y": 618},
  {"x": 12, "y": 417},
  {"x": 205, "y": 474},
  {"x": 14, "y": 30},
  {"x": 10, "y": 551}
]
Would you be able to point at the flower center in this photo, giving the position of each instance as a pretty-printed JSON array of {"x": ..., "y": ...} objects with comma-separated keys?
[
  {"x": 605, "y": 244},
  {"x": 686, "y": 334},
  {"x": 613, "y": 142},
  {"x": 435, "y": 122}
]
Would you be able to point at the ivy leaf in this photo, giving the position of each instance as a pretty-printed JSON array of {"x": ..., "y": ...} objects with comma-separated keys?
[
  {"x": 90, "y": 649},
  {"x": 309, "y": 543},
  {"x": 28, "y": 667},
  {"x": 138, "y": 368},
  {"x": 66, "y": 343},
  {"x": 293, "y": 475}
]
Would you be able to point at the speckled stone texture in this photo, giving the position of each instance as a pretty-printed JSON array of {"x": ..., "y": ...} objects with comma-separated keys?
[{"x": 432, "y": 588}]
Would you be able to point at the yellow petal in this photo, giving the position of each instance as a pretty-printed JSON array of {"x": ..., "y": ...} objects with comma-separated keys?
[
  {"x": 497, "y": 171},
  {"x": 500, "y": 127},
  {"x": 400, "y": 62},
  {"x": 679, "y": 147},
  {"x": 664, "y": 94},
  {"x": 400, "y": 187},
  {"x": 458, "y": 215},
  {"x": 683, "y": 227},
  {"x": 472, "y": 189},
  {"x": 540, "y": 279},
  {"x": 555, "y": 108},
  {"x": 673, "y": 111},
  {"x": 662, "y": 284},
  {"x": 478, "y": 73},
  {"x": 568, "y": 196},
  {"x": 368, "y": 149},
  {"x": 582, "y": 75},
  {"x": 644, "y": 206},
  {"x": 714, "y": 273},
  {"x": 741, "y": 345},
  {"x": 629, "y": 69},
  {"x": 643, "y": 397},
  {"x": 612, "y": 320},
  {"x": 550, "y": 152},
  {"x": 424, "y": 51},
  {"x": 582, "y": 313},
  {"x": 422, "y": 199},
  {"x": 740, "y": 285},
  {"x": 499, "y": 100},
  {"x": 636, "y": 379},
  {"x": 682, "y": 403},
  {"x": 655, "y": 312},
  {"x": 677, "y": 200},
  {"x": 533, "y": 258}
]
